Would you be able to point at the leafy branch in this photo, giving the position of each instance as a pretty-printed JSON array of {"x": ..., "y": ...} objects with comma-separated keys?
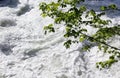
[{"x": 75, "y": 26}]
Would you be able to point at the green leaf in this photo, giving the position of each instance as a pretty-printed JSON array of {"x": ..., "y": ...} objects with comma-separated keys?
[
  {"x": 112, "y": 6},
  {"x": 44, "y": 15},
  {"x": 82, "y": 38},
  {"x": 82, "y": 8},
  {"x": 67, "y": 44},
  {"x": 86, "y": 48},
  {"x": 49, "y": 28},
  {"x": 103, "y": 8}
]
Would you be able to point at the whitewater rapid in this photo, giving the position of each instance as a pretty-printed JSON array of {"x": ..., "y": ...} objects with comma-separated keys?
[{"x": 25, "y": 52}]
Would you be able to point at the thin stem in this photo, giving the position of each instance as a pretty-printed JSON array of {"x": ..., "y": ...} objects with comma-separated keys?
[{"x": 101, "y": 42}]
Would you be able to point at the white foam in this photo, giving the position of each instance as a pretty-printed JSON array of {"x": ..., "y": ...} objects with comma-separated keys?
[{"x": 32, "y": 54}]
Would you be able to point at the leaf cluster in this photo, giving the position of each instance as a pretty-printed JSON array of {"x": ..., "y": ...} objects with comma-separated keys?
[{"x": 109, "y": 7}]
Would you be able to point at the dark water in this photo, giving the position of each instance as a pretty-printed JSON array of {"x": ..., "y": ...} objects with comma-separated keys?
[{"x": 9, "y": 3}]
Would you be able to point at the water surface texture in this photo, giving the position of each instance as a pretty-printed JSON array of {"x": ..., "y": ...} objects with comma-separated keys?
[{"x": 25, "y": 52}]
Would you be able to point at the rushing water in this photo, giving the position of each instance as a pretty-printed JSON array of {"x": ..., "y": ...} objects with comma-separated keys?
[{"x": 25, "y": 52}]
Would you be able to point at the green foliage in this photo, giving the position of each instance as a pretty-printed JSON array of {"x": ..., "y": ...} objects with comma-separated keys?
[
  {"x": 74, "y": 26},
  {"x": 49, "y": 28},
  {"x": 105, "y": 33},
  {"x": 82, "y": 38},
  {"x": 106, "y": 64},
  {"x": 67, "y": 43},
  {"x": 103, "y": 8},
  {"x": 110, "y": 7}
]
